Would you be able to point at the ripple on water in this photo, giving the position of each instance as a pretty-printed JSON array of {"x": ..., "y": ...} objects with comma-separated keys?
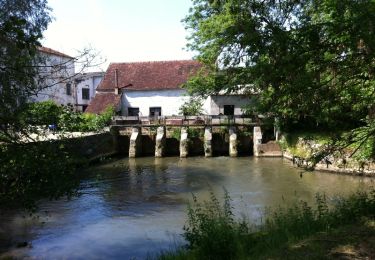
[{"x": 134, "y": 207}]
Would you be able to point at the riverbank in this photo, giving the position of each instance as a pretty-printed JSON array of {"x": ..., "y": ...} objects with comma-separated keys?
[
  {"x": 300, "y": 147},
  {"x": 342, "y": 230},
  {"x": 354, "y": 241}
]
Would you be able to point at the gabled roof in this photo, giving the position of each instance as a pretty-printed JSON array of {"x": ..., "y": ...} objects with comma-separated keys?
[
  {"x": 53, "y": 52},
  {"x": 101, "y": 101},
  {"x": 153, "y": 75}
]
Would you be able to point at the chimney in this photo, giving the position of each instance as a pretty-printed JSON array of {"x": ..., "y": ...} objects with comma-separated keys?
[{"x": 116, "y": 82}]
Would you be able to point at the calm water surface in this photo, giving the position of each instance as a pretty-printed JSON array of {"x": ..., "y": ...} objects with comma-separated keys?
[{"x": 134, "y": 207}]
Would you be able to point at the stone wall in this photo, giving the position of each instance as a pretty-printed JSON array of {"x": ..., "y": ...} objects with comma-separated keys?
[
  {"x": 91, "y": 147},
  {"x": 337, "y": 162}
]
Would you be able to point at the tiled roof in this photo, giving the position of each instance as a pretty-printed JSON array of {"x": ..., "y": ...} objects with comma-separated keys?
[
  {"x": 53, "y": 52},
  {"x": 152, "y": 75},
  {"x": 101, "y": 101}
]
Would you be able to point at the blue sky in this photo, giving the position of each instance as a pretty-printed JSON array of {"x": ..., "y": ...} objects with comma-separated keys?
[{"x": 122, "y": 30}]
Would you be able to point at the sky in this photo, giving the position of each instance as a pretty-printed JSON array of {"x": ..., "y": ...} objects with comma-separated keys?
[{"x": 120, "y": 30}]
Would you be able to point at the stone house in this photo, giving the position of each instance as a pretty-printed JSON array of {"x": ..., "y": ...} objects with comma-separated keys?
[
  {"x": 55, "y": 77},
  {"x": 155, "y": 89},
  {"x": 85, "y": 85}
]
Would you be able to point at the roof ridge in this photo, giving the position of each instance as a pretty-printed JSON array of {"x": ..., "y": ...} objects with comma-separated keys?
[
  {"x": 53, "y": 52},
  {"x": 152, "y": 61}
]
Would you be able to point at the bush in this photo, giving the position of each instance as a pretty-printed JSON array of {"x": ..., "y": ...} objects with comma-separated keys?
[
  {"x": 212, "y": 232},
  {"x": 47, "y": 113},
  {"x": 92, "y": 122},
  {"x": 33, "y": 171},
  {"x": 42, "y": 113},
  {"x": 70, "y": 120},
  {"x": 192, "y": 107}
]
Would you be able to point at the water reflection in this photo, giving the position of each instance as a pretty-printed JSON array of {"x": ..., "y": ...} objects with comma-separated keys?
[{"x": 134, "y": 206}]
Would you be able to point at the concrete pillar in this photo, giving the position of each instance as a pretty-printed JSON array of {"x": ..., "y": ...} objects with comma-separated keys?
[
  {"x": 233, "y": 142},
  {"x": 160, "y": 142},
  {"x": 115, "y": 136},
  {"x": 184, "y": 143},
  {"x": 208, "y": 142},
  {"x": 135, "y": 143},
  {"x": 257, "y": 139}
]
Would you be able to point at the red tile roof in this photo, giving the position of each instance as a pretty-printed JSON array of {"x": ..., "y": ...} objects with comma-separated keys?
[
  {"x": 101, "y": 101},
  {"x": 51, "y": 51},
  {"x": 152, "y": 75}
]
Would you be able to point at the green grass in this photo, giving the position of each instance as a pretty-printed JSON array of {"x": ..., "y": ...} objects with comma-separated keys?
[{"x": 212, "y": 232}]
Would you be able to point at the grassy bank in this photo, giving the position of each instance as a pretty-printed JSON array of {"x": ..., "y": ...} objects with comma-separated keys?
[{"x": 318, "y": 231}]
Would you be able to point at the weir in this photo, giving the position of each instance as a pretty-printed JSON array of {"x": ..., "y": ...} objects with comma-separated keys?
[
  {"x": 184, "y": 143},
  {"x": 206, "y": 136},
  {"x": 233, "y": 152},
  {"x": 135, "y": 143},
  {"x": 160, "y": 142},
  {"x": 208, "y": 142}
]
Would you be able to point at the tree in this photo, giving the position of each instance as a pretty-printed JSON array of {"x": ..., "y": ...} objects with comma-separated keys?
[
  {"x": 21, "y": 25},
  {"x": 25, "y": 71},
  {"x": 31, "y": 170},
  {"x": 311, "y": 61},
  {"x": 192, "y": 107}
]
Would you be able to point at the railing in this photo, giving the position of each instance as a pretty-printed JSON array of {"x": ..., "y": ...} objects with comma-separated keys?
[{"x": 203, "y": 120}]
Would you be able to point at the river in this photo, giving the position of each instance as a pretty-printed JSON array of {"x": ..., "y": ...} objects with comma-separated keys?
[{"x": 132, "y": 208}]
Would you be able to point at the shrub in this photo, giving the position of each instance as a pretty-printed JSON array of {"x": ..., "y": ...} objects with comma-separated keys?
[
  {"x": 33, "y": 171},
  {"x": 42, "y": 113},
  {"x": 66, "y": 119},
  {"x": 212, "y": 232},
  {"x": 192, "y": 107}
]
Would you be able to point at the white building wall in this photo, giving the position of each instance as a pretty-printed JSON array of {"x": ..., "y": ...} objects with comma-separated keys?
[
  {"x": 56, "y": 74},
  {"x": 206, "y": 106},
  {"x": 169, "y": 100},
  {"x": 217, "y": 103},
  {"x": 90, "y": 83}
]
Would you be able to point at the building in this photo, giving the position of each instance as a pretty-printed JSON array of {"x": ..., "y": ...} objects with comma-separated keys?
[
  {"x": 85, "y": 85},
  {"x": 155, "y": 89},
  {"x": 55, "y": 77},
  {"x": 232, "y": 103},
  {"x": 144, "y": 88}
]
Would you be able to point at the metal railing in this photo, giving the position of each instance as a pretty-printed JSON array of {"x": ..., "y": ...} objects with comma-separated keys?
[{"x": 202, "y": 120}]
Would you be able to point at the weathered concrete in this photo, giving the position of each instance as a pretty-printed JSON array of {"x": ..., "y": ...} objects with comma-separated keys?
[
  {"x": 184, "y": 143},
  {"x": 115, "y": 137},
  {"x": 208, "y": 142},
  {"x": 160, "y": 142},
  {"x": 135, "y": 143},
  {"x": 233, "y": 152},
  {"x": 257, "y": 140},
  {"x": 270, "y": 149}
]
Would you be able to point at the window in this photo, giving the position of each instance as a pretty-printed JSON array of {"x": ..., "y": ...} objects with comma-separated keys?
[
  {"x": 229, "y": 110},
  {"x": 68, "y": 89},
  {"x": 155, "y": 111},
  {"x": 85, "y": 93},
  {"x": 133, "y": 111}
]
